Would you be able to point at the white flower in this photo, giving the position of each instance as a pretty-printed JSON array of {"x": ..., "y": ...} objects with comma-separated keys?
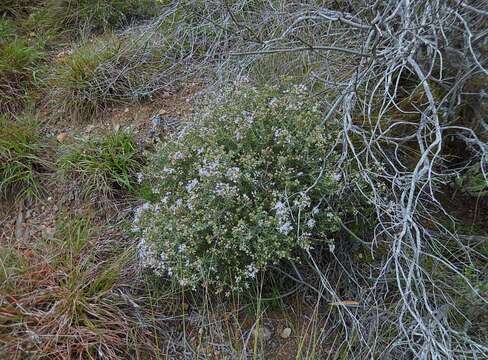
[
  {"x": 285, "y": 228},
  {"x": 223, "y": 189},
  {"x": 140, "y": 178},
  {"x": 279, "y": 207},
  {"x": 139, "y": 211},
  {"x": 282, "y": 136},
  {"x": 177, "y": 156},
  {"x": 168, "y": 171},
  {"x": 249, "y": 117},
  {"x": 178, "y": 203},
  {"x": 220, "y": 189},
  {"x": 331, "y": 247},
  {"x": 233, "y": 173},
  {"x": 251, "y": 271},
  {"x": 273, "y": 102},
  {"x": 147, "y": 255},
  {"x": 238, "y": 135},
  {"x": 311, "y": 223},
  {"x": 191, "y": 185},
  {"x": 208, "y": 169},
  {"x": 203, "y": 172},
  {"x": 293, "y": 106},
  {"x": 303, "y": 201},
  {"x": 300, "y": 88}
]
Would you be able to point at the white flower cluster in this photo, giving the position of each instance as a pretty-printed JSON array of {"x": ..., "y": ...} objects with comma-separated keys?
[
  {"x": 251, "y": 271},
  {"x": 284, "y": 224},
  {"x": 302, "y": 201},
  {"x": 191, "y": 185},
  {"x": 225, "y": 190},
  {"x": 233, "y": 173},
  {"x": 209, "y": 168},
  {"x": 282, "y": 136}
]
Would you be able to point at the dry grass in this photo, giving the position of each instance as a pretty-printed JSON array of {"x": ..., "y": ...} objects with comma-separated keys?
[{"x": 64, "y": 296}]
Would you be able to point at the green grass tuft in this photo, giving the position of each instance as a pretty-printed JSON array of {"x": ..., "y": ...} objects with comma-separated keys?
[
  {"x": 18, "y": 60},
  {"x": 83, "y": 17},
  {"x": 107, "y": 71},
  {"x": 103, "y": 166},
  {"x": 21, "y": 159}
]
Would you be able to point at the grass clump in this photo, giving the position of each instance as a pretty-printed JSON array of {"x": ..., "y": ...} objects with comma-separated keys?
[
  {"x": 7, "y": 30},
  {"x": 21, "y": 157},
  {"x": 254, "y": 182},
  {"x": 18, "y": 61},
  {"x": 82, "y": 17},
  {"x": 107, "y": 71},
  {"x": 105, "y": 166},
  {"x": 63, "y": 297}
]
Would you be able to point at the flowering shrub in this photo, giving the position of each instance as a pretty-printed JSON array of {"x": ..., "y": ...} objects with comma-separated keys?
[{"x": 248, "y": 184}]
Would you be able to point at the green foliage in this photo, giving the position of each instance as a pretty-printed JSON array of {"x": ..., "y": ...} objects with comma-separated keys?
[
  {"x": 109, "y": 70},
  {"x": 473, "y": 181},
  {"x": 21, "y": 162},
  {"x": 79, "y": 17},
  {"x": 17, "y": 69},
  {"x": 252, "y": 183},
  {"x": 103, "y": 166}
]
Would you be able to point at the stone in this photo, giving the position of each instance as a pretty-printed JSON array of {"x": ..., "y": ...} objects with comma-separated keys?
[
  {"x": 285, "y": 334},
  {"x": 61, "y": 137}
]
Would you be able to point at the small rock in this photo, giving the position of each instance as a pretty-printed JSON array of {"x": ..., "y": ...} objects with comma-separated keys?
[
  {"x": 285, "y": 334},
  {"x": 61, "y": 137}
]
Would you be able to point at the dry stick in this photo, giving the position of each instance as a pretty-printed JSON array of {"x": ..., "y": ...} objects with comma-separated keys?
[{"x": 302, "y": 48}]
